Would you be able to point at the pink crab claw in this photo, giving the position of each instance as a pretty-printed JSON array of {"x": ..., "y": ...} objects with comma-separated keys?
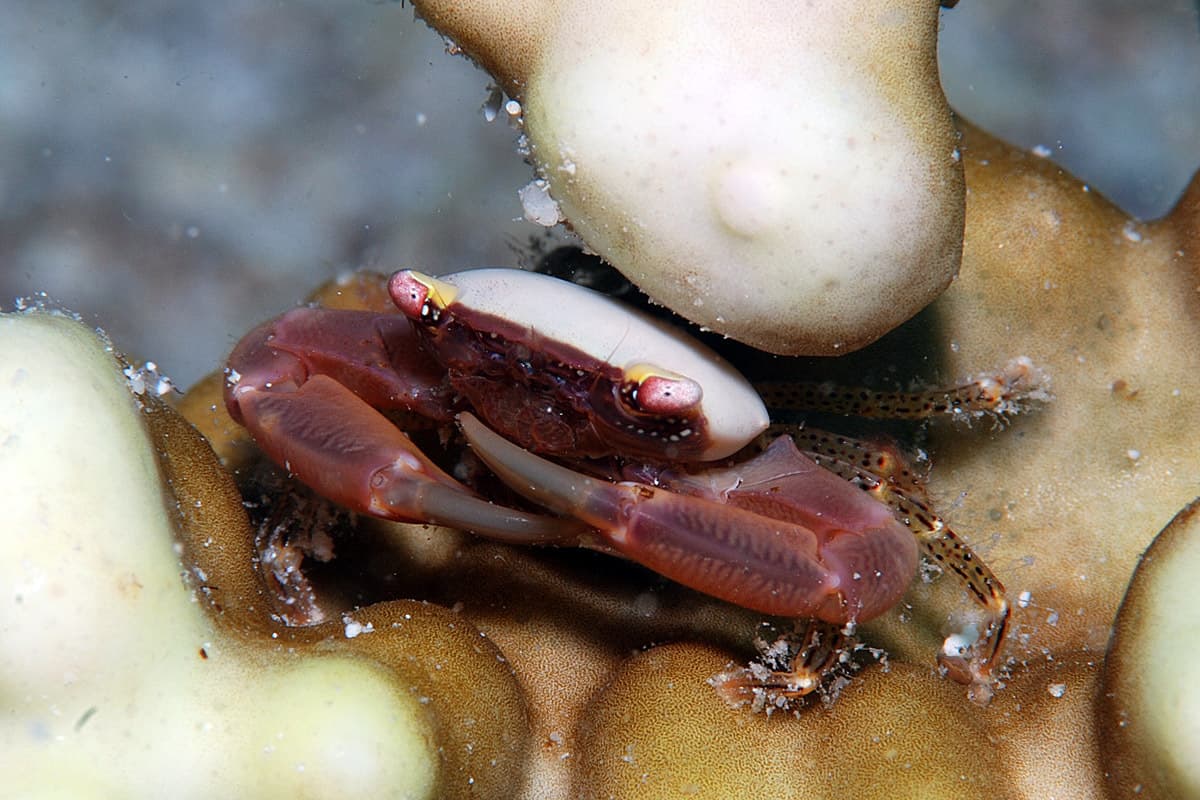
[
  {"x": 784, "y": 537},
  {"x": 338, "y": 445}
]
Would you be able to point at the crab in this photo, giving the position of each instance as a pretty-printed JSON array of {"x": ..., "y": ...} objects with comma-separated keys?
[{"x": 629, "y": 437}]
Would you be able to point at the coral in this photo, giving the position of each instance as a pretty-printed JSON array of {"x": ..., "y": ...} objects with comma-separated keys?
[
  {"x": 120, "y": 678},
  {"x": 1149, "y": 701},
  {"x": 1070, "y": 497},
  {"x": 783, "y": 174},
  {"x": 1061, "y": 503},
  {"x": 1072, "y": 494},
  {"x": 573, "y": 674}
]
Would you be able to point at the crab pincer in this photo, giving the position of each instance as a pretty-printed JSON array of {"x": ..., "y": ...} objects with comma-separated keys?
[
  {"x": 337, "y": 443},
  {"x": 781, "y": 536}
]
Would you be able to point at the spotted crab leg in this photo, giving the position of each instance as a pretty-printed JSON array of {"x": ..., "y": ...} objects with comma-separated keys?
[
  {"x": 800, "y": 668},
  {"x": 857, "y": 459},
  {"x": 998, "y": 394},
  {"x": 883, "y": 472}
]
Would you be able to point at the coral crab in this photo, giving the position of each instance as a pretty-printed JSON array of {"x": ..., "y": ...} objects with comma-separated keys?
[{"x": 640, "y": 440}]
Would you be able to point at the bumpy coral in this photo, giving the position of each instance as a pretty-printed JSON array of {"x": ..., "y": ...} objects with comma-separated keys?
[
  {"x": 1061, "y": 504},
  {"x": 1075, "y": 492},
  {"x": 517, "y": 672},
  {"x": 1150, "y": 700},
  {"x": 451, "y": 666},
  {"x": 782, "y": 173},
  {"x": 126, "y": 671}
]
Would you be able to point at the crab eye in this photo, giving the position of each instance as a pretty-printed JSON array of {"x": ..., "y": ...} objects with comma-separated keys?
[
  {"x": 420, "y": 297},
  {"x": 659, "y": 392}
]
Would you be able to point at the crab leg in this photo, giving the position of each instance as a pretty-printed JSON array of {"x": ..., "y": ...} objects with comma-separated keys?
[
  {"x": 817, "y": 647},
  {"x": 857, "y": 459},
  {"x": 374, "y": 355},
  {"x": 342, "y": 448},
  {"x": 882, "y": 471},
  {"x": 1007, "y": 391},
  {"x": 769, "y": 563}
]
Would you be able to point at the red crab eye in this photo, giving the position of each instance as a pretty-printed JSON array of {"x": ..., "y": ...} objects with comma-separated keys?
[
  {"x": 665, "y": 395},
  {"x": 409, "y": 294},
  {"x": 420, "y": 297}
]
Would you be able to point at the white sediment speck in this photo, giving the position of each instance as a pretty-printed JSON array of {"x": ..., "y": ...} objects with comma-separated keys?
[
  {"x": 148, "y": 376},
  {"x": 355, "y": 628},
  {"x": 491, "y": 106},
  {"x": 538, "y": 205},
  {"x": 1131, "y": 232},
  {"x": 958, "y": 642}
]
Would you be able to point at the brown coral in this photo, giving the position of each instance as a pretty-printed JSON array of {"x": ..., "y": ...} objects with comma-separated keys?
[
  {"x": 525, "y": 656},
  {"x": 114, "y": 675},
  {"x": 1062, "y": 503}
]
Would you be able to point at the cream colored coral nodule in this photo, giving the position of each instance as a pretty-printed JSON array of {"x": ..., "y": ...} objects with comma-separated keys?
[
  {"x": 136, "y": 657},
  {"x": 782, "y": 173}
]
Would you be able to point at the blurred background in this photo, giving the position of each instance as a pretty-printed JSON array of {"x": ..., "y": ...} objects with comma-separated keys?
[{"x": 176, "y": 172}]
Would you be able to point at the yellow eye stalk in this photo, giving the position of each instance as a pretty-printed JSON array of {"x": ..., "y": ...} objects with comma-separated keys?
[{"x": 439, "y": 293}]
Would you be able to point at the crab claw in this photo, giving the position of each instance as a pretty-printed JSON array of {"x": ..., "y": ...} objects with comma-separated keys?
[
  {"x": 850, "y": 568},
  {"x": 346, "y": 451}
]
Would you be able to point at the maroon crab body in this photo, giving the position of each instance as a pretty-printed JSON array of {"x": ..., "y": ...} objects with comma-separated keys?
[
  {"x": 780, "y": 535},
  {"x": 592, "y": 386}
]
